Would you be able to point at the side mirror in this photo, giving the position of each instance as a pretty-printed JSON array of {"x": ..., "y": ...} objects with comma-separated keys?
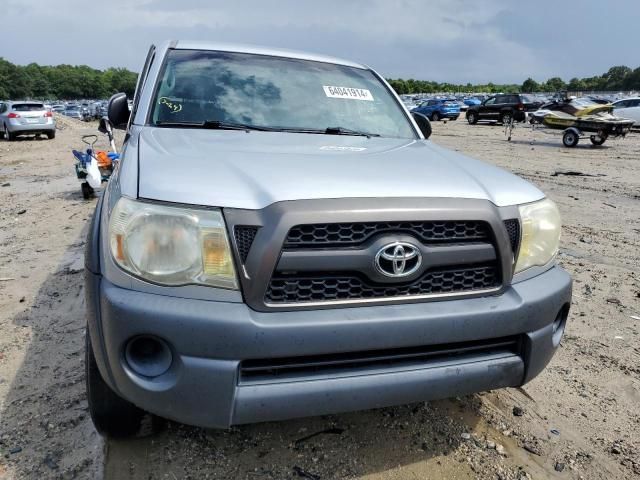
[
  {"x": 118, "y": 110},
  {"x": 423, "y": 124}
]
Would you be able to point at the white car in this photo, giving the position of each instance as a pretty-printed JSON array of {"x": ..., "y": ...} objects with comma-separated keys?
[{"x": 628, "y": 108}]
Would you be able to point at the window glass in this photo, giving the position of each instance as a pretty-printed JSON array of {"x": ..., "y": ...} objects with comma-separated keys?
[
  {"x": 27, "y": 107},
  {"x": 197, "y": 86}
]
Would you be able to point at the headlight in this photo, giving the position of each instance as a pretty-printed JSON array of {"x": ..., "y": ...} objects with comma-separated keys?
[
  {"x": 540, "y": 234},
  {"x": 171, "y": 245}
]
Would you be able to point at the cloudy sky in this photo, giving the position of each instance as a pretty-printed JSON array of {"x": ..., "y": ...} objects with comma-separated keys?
[{"x": 448, "y": 40}]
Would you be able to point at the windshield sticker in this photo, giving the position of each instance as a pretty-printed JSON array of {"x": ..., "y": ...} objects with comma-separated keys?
[
  {"x": 174, "y": 107},
  {"x": 337, "y": 148},
  {"x": 348, "y": 93}
]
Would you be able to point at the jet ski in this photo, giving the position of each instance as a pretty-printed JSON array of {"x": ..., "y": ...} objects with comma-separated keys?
[{"x": 581, "y": 116}]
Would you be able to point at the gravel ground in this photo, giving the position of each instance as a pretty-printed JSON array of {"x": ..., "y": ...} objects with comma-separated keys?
[{"x": 578, "y": 419}]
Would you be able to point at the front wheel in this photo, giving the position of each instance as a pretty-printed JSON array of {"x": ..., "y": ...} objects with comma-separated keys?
[
  {"x": 570, "y": 139},
  {"x": 112, "y": 415},
  {"x": 472, "y": 118}
]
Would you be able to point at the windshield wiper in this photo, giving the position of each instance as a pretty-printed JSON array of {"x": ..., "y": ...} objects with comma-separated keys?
[
  {"x": 222, "y": 125},
  {"x": 347, "y": 131},
  {"x": 216, "y": 125}
]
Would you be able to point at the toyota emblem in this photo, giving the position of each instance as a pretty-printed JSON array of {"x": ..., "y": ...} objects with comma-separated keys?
[{"x": 398, "y": 259}]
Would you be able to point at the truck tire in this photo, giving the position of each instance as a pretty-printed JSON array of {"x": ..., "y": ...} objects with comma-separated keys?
[
  {"x": 472, "y": 118},
  {"x": 570, "y": 138},
  {"x": 112, "y": 415}
]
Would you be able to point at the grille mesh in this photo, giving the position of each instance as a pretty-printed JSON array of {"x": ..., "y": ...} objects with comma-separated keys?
[
  {"x": 325, "y": 287},
  {"x": 513, "y": 229},
  {"x": 244, "y": 239},
  {"x": 349, "y": 234}
]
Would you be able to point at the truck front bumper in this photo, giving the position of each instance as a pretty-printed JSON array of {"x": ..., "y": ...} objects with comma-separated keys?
[{"x": 211, "y": 341}]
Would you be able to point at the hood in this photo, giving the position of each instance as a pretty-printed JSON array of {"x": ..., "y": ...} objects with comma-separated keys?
[{"x": 236, "y": 169}]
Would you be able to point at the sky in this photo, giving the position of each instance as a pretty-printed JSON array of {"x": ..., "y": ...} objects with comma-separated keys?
[{"x": 459, "y": 41}]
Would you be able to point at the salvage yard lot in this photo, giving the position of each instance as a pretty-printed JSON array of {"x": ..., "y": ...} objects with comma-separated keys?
[{"x": 578, "y": 419}]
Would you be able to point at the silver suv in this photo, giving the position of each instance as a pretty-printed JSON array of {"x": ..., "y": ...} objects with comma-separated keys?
[
  {"x": 280, "y": 240},
  {"x": 26, "y": 118}
]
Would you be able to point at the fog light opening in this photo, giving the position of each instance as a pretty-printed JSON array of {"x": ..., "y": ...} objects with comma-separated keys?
[
  {"x": 148, "y": 356},
  {"x": 559, "y": 325}
]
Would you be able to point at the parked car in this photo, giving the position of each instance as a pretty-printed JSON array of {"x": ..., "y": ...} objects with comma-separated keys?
[
  {"x": 74, "y": 111},
  {"x": 409, "y": 104},
  {"x": 26, "y": 118},
  {"x": 472, "y": 101},
  {"x": 500, "y": 108},
  {"x": 628, "y": 108},
  {"x": 251, "y": 260},
  {"x": 86, "y": 113},
  {"x": 58, "y": 108},
  {"x": 463, "y": 106},
  {"x": 437, "y": 109}
]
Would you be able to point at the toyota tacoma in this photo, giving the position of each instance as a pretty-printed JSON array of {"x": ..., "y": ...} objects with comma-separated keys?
[{"x": 281, "y": 239}]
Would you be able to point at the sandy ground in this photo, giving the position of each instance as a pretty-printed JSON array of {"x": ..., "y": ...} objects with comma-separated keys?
[{"x": 579, "y": 419}]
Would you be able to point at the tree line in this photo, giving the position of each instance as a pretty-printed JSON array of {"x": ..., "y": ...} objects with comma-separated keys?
[
  {"x": 80, "y": 81},
  {"x": 42, "y": 82},
  {"x": 615, "y": 79}
]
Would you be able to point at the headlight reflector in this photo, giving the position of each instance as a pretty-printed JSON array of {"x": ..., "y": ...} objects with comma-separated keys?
[
  {"x": 171, "y": 245},
  {"x": 540, "y": 234}
]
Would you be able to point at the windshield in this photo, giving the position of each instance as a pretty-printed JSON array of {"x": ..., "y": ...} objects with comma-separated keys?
[{"x": 264, "y": 91}]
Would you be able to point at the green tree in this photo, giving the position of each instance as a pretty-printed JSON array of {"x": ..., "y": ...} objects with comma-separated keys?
[
  {"x": 530, "y": 85},
  {"x": 632, "y": 80},
  {"x": 576, "y": 85},
  {"x": 615, "y": 77},
  {"x": 556, "y": 84}
]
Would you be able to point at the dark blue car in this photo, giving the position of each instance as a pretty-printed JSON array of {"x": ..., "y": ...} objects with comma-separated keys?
[{"x": 437, "y": 109}]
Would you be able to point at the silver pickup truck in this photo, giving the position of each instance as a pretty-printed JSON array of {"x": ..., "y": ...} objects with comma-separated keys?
[{"x": 280, "y": 239}]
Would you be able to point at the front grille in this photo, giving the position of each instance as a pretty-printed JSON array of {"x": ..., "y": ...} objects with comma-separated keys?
[
  {"x": 287, "y": 369},
  {"x": 351, "y": 234},
  {"x": 244, "y": 235},
  {"x": 513, "y": 230},
  {"x": 298, "y": 288}
]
